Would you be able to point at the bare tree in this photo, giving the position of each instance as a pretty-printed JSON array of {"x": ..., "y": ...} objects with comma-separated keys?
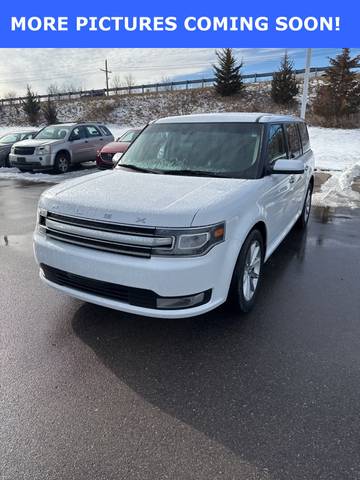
[
  {"x": 53, "y": 89},
  {"x": 116, "y": 82},
  {"x": 167, "y": 88},
  {"x": 129, "y": 81}
]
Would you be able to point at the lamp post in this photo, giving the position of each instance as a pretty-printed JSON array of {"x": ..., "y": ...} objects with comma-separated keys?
[{"x": 306, "y": 83}]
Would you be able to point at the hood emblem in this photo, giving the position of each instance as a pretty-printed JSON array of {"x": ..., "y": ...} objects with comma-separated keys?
[{"x": 141, "y": 220}]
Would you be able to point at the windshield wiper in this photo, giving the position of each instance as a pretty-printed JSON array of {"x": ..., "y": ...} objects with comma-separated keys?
[
  {"x": 195, "y": 173},
  {"x": 138, "y": 169}
]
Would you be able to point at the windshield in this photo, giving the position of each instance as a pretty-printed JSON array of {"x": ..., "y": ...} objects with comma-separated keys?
[
  {"x": 213, "y": 149},
  {"x": 53, "y": 133},
  {"x": 128, "y": 136}
]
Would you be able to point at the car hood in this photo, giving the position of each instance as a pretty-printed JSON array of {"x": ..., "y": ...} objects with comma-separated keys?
[
  {"x": 38, "y": 142},
  {"x": 115, "y": 147},
  {"x": 143, "y": 199}
]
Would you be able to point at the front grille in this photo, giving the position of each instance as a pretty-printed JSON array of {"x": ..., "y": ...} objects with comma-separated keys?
[
  {"x": 24, "y": 150},
  {"x": 110, "y": 237},
  {"x": 106, "y": 157},
  {"x": 133, "y": 296}
]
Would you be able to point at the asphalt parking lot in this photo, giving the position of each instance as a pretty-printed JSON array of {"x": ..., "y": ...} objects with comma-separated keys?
[{"x": 90, "y": 393}]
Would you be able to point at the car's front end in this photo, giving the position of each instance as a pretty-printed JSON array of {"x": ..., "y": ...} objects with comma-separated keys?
[{"x": 32, "y": 155}]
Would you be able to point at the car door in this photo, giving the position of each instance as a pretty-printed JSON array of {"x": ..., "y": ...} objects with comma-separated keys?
[
  {"x": 78, "y": 145},
  {"x": 95, "y": 139},
  {"x": 277, "y": 187},
  {"x": 297, "y": 181}
]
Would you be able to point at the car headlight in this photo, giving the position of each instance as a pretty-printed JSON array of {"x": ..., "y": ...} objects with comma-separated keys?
[
  {"x": 43, "y": 149},
  {"x": 191, "y": 241}
]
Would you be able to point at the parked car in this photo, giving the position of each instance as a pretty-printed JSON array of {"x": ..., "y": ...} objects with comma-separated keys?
[
  {"x": 8, "y": 140},
  {"x": 187, "y": 218},
  {"x": 60, "y": 146},
  {"x": 113, "y": 151}
]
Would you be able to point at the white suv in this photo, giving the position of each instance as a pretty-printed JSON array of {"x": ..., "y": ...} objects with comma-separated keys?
[
  {"x": 189, "y": 215},
  {"x": 59, "y": 146}
]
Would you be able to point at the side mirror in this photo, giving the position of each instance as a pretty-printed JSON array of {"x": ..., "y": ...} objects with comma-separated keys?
[{"x": 285, "y": 166}]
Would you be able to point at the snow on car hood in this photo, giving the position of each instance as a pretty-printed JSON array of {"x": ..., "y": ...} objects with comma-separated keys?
[
  {"x": 33, "y": 142},
  {"x": 143, "y": 199}
]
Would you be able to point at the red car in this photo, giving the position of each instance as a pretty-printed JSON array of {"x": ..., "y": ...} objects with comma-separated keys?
[{"x": 104, "y": 157}]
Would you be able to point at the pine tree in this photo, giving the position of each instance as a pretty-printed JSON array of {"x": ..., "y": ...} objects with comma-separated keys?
[
  {"x": 283, "y": 86},
  {"x": 31, "y": 106},
  {"x": 50, "y": 112},
  {"x": 227, "y": 74},
  {"x": 339, "y": 95}
]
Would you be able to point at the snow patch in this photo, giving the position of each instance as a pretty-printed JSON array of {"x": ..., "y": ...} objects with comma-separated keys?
[
  {"x": 337, "y": 190},
  {"x": 15, "y": 174}
]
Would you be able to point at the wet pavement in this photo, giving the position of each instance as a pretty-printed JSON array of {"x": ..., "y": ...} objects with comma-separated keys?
[{"x": 91, "y": 393}]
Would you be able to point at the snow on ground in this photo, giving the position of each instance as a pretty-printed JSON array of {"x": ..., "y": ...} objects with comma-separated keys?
[{"x": 336, "y": 151}]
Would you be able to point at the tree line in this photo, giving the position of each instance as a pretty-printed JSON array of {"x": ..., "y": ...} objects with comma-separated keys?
[{"x": 337, "y": 96}]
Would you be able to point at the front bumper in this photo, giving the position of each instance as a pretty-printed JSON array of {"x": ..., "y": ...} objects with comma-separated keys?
[
  {"x": 31, "y": 162},
  {"x": 167, "y": 277}
]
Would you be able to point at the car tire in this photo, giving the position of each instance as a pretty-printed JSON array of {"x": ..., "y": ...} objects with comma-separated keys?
[
  {"x": 247, "y": 273},
  {"x": 305, "y": 212},
  {"x": 62, "y": 163}
]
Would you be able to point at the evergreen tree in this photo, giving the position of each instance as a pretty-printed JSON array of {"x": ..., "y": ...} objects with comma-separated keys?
[
  {"x": 50, "y": 112},
  {"x": 31, "y": 106},
  {"x": 339, "y": 95},
  {"x": 283, "y": 86},
  {"x": 227, "y": 73}
]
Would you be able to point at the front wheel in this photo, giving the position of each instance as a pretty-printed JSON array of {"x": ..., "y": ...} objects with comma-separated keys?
[
  {"x": 248, "y": 271},
  {"x": 62, "y": 163},
  {"x": 305, "y": 213}
]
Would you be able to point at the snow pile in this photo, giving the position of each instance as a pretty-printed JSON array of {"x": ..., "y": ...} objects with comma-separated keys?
[{"x": 337, "y": 190}]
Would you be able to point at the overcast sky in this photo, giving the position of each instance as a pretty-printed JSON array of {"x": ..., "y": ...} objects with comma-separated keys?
[{"x": 80, "y": 68}]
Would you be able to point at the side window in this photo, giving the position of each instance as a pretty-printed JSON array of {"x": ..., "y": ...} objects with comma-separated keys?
[
  {"x": 77, "y": 134},
  {"x": 92, "y": 131},
  {"x": 276, "y": 143},
  {"x": 304, "y": 134},
  {"x": 293, "y": 140}
]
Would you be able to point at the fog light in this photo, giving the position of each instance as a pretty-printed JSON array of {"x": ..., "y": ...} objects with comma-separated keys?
[{"x": 182, "y": 302}]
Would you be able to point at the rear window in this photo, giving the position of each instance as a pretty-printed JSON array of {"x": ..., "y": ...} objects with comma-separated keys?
[
  {"x": 104, "y": 130},
  {"x": 304, "y": 135}
]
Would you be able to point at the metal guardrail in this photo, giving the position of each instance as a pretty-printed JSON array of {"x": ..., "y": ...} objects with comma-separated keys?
[{"x": 148, "y": 88}]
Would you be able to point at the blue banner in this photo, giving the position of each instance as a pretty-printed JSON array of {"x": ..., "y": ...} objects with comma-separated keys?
[{"x": 160, "y": 23}]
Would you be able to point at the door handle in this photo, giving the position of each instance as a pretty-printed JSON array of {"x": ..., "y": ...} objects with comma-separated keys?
[
  {"x": 86, "y": 141},
  {"x": 292, "y": 179},
  {"x": 101, "y": 139}
]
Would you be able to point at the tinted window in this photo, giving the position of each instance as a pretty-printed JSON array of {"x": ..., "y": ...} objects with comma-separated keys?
[
  {"x": 92, "y": 131},
  {"x": 304, "y": 134},
  {"x": 223, "y": 149},
  {"x": 276, "y": 145},
  {"x": 26, "y": 136},
  {"x": 77, "y": 134},
  {"x": 104, "y": 130},
  {"x": 293, "y": 140}
]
